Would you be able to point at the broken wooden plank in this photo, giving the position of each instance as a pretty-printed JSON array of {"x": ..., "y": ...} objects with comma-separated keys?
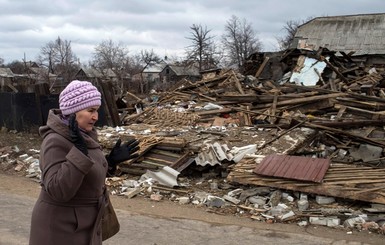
[
  {"x": 280, "y": 135},
  {"x": 369, "y": 105},
  {"x": 314, "y": 106},
  {"x": 363, "y": 113},
  {"x": 344, "y": 132},
  {"x": 273, "y": 109},
  {"x": 335, "y": 69},
  {"x": 263, "y": 65},
  {"x": 301, "y": 100},
  {"x": 110, "y": 104},
  {"x": 348, "y": 123},
  {"x": 214, "y": 112}
]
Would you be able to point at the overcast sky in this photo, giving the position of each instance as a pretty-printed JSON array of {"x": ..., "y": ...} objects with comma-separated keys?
[{"x": 160, "y": 25}]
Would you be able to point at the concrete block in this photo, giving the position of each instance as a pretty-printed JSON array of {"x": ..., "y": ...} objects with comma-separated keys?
[
  {"x": 349, "y": 223},
  {"x": 302, "y": 205},
  {"x": 287, "y": 215},
  {"x": 131, "y": 192},
  {"x": 183, "y": 200},
  {"x": 215, "y": 201},
  {"x": 303, "y": 196},
  {"x": 235, "y": 192},
  {"x": 156, "y": 197},
  {"x": 322, "y": 200},
  {"x": 325, "y": 221},
  {"x": 257, "y": 200},
  {"x": 231, "y": 199}
]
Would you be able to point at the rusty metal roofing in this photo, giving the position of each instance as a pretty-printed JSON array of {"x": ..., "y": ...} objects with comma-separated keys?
[{"x": 293, "y": 167}]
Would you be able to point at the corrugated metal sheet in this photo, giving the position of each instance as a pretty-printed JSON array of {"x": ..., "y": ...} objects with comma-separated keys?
[
  {"x": 293, "y": 167},
  {"x": 166, "y": 176}
]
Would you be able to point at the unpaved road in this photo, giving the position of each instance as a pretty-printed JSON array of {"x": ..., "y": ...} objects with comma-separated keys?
[{"x": 148, "y": 222}]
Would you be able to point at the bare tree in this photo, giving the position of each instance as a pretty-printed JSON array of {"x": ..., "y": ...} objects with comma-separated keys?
[
  {"x": 17, "y": 67},
  {"x": 290, "y": 28},
  {"x": 202, "y": 49},
  {"x": 111, "y": 56},
  {"x": 58, "y": 57},
  {"x": 147, "y": 57},
  {"x": 239, "y": 41},
  {"x": 1, "y": 61}
]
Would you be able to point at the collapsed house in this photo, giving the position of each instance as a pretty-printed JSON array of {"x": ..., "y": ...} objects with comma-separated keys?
[{"x": 359, "y": 36}]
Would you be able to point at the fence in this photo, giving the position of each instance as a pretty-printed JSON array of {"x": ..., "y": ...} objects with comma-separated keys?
[{"x": 28, "y": 111}]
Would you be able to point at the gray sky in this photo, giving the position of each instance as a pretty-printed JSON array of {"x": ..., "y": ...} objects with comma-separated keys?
[{"x": 160, "y": 25}]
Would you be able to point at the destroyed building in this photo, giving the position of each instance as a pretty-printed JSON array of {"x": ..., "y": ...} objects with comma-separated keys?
[{"x": 360, "y": 36}]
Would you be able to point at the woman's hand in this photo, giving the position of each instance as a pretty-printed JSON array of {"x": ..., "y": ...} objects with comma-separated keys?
[
  {"x": 122, "y": 153},
  {"x": 76, "y": 136}
]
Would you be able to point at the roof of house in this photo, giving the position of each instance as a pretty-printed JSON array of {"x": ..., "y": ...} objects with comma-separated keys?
[
  {"x": 37, "y": 70},
  {"x": 362, "y": 34},
  {"x": 6, "y": 72},
  {"x": 154, "y": 67},
  {"x": 184, "y": 71},
  {"x": 31, "y": 64},
  {"x": 41, "y": 70},
  {"x": 92, "y": 73}
]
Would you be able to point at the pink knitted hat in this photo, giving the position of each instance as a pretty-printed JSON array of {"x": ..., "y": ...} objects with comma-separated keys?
[{"x": 77, "y": 96}]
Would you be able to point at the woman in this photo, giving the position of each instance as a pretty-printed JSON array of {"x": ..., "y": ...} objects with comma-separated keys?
[{"x": 73, "y": 169}]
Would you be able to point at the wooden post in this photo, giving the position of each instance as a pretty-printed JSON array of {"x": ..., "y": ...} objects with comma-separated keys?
[
  {"x": 273, "y": 109},
  {"x": 260, "y": 69},
  {"x": 110, "y": 105},
  {"x": 40, "y": 89}
]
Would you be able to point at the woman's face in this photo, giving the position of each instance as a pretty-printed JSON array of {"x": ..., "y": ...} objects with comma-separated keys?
[{"x": 87, "y": 118}]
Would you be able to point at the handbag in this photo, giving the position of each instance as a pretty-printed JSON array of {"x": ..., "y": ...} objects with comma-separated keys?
[{"x": 110, "y": 222}]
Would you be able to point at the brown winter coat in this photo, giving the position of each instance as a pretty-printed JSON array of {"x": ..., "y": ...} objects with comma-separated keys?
[{"x": 72, "y": 188}]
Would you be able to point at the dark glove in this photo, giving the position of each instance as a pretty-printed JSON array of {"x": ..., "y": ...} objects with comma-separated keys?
[
  {"x": 122, "y": 153},
  {"x": 76, "y": 136}
]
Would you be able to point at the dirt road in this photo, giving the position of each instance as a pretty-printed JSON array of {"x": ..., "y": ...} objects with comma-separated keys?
[{"x": 165, "y": 222}]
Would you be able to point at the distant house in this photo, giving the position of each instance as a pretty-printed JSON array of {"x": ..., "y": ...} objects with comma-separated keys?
[
  {"x": 94, "y": 75},
  {"x": 25, "y": 75},
  {"x": 119, "y": 81},
  {"x": 359, "y": 35},
  {"x": 149, "y": 77},
  {"x": 31, "y": 64},
  {"x": 151, "y": 72},
  {"x": 171, "y": 74},
  {"x": 41, "y": 74},
  {"x": 6, "y": 77}
]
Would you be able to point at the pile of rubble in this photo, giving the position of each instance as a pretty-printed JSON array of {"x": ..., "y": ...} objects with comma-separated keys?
[
  {"x": 306, "y": 147},
  {"x": 325, "y": 106}
]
